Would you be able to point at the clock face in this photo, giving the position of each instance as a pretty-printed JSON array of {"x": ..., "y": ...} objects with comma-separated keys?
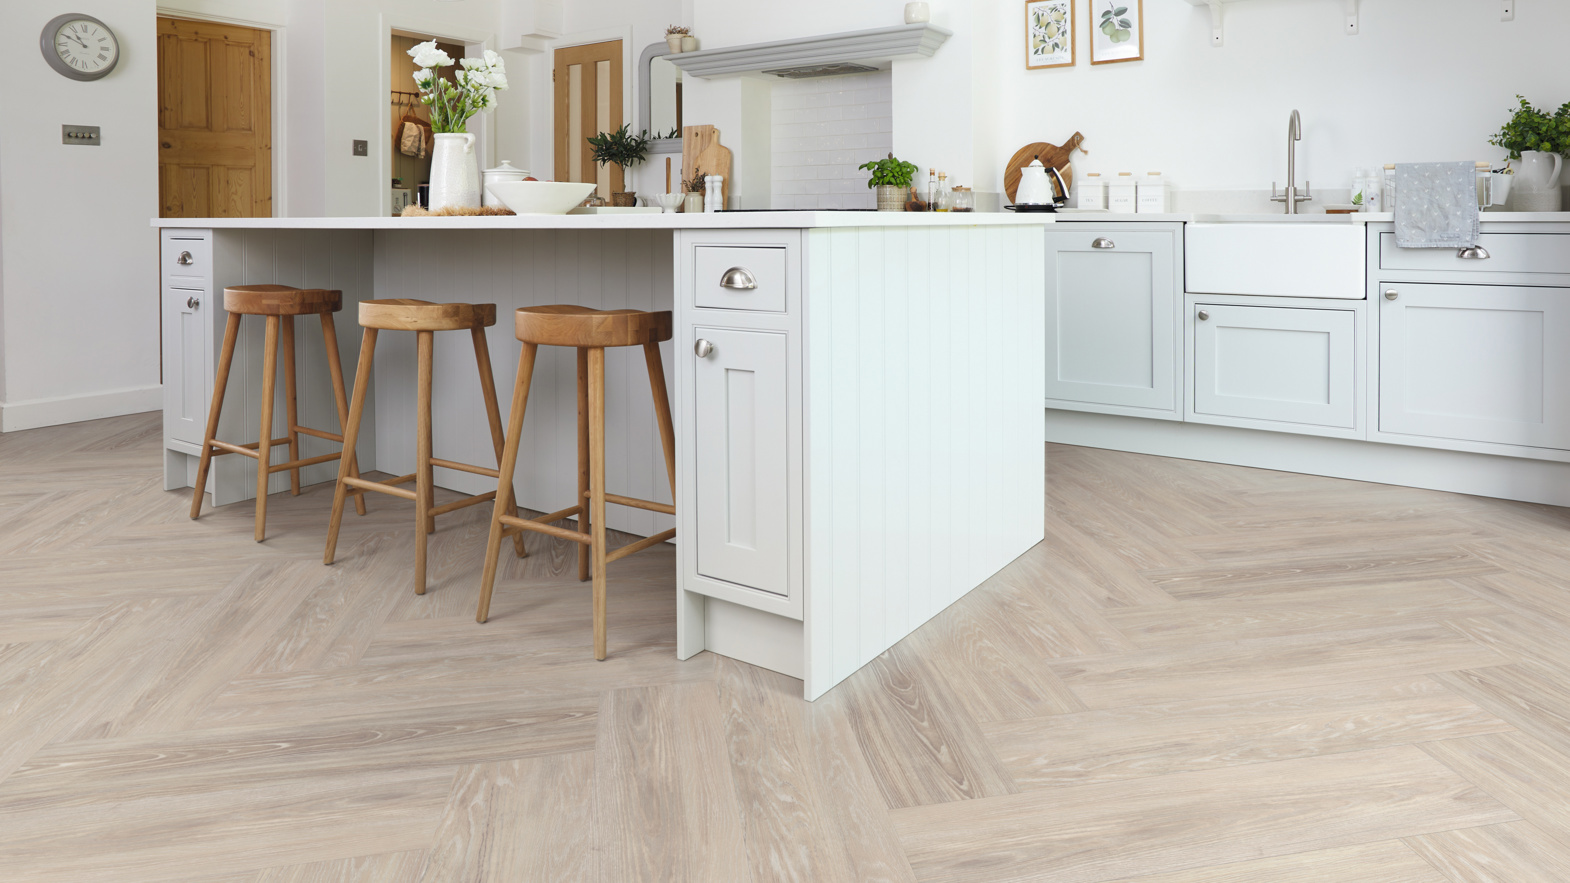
[{"x": 80, "y": 47}]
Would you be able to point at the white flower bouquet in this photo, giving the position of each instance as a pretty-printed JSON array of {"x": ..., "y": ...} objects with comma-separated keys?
[{"x": 477, "y": 82}]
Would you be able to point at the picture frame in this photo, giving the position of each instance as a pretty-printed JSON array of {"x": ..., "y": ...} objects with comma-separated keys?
[
  {"x": 1050, "y": 34},
  {"x": 1117, "y": 31}
]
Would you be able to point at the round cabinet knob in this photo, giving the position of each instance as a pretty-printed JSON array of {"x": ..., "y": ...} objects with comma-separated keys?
[
  {"x": 185, "y": 259},
  {"x": 703, "y": 348},
  {"x": 739, "y": 279},
  {"x": 192, "y": 303},
  {"x": 1103, "y": 242},
  {"x": 1392, "y": 294},
  {"x": 1204, "y": 316}
]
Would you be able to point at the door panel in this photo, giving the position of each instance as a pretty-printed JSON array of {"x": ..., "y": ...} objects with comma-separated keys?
[
  {"x": 1476, "y": 362},
  {"x": 187, "y": 385},
  {"x": 214, "y": 120},
  {"x": 1284, "y": 365},
  {"x": 1112, "y": 319},
  {"x": 588, "y": 87},
  {"x": 742, "y": 453}
]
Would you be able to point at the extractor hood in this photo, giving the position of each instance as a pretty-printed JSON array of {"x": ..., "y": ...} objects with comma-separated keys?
[{"x": 824, "y": 56}]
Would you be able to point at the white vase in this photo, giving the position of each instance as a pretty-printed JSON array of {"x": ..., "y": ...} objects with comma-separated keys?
[
  {"x": 455, "y": 172},
  {"x": 673, "y": 42},
  {"x": 1536, "y": 170}
]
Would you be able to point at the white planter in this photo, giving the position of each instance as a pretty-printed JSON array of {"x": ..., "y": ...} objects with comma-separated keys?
[
  {"x": 673, "y": 42},
  {"x": 455, "y": 172}
]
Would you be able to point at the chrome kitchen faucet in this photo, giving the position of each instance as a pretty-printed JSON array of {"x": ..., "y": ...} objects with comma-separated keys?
[{"x": 1290, "y": 197}]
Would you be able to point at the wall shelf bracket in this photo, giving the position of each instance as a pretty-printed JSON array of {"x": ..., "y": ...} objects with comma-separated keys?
[
  {"x": 1215, "y": 23},
  {"x": 1351, "y": 18}
]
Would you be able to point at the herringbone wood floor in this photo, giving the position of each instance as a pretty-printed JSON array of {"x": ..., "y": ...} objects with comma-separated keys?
[{"x": 1205, "y": 674}]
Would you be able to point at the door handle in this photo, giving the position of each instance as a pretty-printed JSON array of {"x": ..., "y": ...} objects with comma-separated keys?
[
  {"x": 185, "y": 259},
  {"x": 1475, "y": 253},
  {"x": 1204, "y": 316},
  {"x": 192, "y": 303},
  {"x": 1391, "y": 294},
  {"x": 738, "y": 279},
  {"x": 1103, "y": 242},
  {"x": 702, "y": 348}
]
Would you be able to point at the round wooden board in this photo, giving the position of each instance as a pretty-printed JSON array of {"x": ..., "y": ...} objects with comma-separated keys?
[{"x": 1051, "y": 155}]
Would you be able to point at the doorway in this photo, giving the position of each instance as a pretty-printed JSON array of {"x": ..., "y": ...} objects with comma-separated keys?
[
  {"x": 588, "y": 87},
  {"x": 409, "y": 149},
  {"x": 214, "y": 120}
]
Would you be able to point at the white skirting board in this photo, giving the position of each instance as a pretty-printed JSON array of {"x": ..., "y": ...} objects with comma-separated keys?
[
  {"x": 34, "y": 413},
  {"x": 1486, "y": 475}
]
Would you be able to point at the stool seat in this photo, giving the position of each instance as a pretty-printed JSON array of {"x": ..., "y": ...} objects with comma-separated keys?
[
  {"x": 406, "y": 314},
  {"x": 281, "y": 300},
  {"x": 568, "y": 325}
]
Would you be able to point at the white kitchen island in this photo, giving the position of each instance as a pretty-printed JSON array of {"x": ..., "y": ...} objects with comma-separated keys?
[{"x": 861, "y": 447}]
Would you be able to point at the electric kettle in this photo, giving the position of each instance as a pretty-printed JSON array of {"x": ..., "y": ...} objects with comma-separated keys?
[{"x": 1035, "y": 192}]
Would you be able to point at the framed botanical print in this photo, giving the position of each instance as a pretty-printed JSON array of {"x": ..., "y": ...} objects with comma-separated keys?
[
  {"x": 1117, "y": 31},
  {"x": 1049, "y": 33}
]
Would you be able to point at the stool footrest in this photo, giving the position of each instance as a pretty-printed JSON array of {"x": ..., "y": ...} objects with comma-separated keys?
[
  {"x": 317, "y": 433},
  {"x": 639, "y": 546},
  {"x": 636, "y": 503},
  {"x": 378, "y": 486},
  {"x": 465, "y": 467},
  {"x": 463, "y": 503},
  {"x": 560, "y": 533},
  {"x": 249, "y": 450},
  {"x": 299, "y": 464}
]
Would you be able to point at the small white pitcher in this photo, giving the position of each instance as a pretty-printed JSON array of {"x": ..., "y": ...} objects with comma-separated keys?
[
  {"x": 455, "y": 172},
  {"x": 1536, "y": 170}
]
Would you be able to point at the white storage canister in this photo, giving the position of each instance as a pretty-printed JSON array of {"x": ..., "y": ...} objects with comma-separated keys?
[
  {"x": 1152, "y": 194},
  {"x": 1090, "y": 191},
  {"x": 1122, "y": 194}
]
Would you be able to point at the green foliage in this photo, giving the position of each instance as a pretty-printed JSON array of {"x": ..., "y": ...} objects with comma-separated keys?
[
  {"x": 1115, "y": 24},
  {"x": 1533, "y": 129},
  {"x": 889, "y": 172},
  {"x": 620, "y": 147}
]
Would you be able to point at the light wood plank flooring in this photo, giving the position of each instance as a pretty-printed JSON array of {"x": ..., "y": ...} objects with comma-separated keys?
[{"x": 1206, "y": 674}]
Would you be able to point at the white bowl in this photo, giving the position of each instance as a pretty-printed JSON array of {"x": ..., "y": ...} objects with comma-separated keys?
[
  {"x": 668, "y": 201},
  {"x": 541, "y": 197}
]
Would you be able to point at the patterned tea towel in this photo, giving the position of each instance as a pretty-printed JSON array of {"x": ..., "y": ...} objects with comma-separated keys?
[{"x": 1436, "y": 206}]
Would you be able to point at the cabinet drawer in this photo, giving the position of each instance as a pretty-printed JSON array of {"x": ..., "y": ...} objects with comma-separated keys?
[
  {"x": 186, "y": 262},
  {"x": 1274, "y": 364},
  {"x": 1538, "y": 253},
  {"x": 718, "y": 288}
]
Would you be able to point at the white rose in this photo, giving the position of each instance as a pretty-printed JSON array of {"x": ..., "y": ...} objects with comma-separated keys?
[
  {"x": 493, "y": 60},
  {"x": 427, "y": 55}
]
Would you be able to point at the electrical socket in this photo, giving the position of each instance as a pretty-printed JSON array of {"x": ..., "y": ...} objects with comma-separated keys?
[{"x": 362, "y": 148}]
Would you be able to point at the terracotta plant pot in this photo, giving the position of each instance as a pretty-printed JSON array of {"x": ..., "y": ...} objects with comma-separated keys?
[{"x": 624, "y": 200}]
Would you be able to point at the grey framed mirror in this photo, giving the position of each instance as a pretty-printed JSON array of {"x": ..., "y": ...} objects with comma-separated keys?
[{"x": 659, "y": 98}]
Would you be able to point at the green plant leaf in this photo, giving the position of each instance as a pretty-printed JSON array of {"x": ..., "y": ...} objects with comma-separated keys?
[
  {"x": 1125, "y": 24},
  {"x": 1121, "y": 10}
]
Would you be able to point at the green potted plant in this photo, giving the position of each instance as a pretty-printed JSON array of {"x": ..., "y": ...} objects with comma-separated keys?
[
  {"x": 623, "y": 149},
  {"x": 1537, "y": 143},
  {"x": 891, "y": 178}
]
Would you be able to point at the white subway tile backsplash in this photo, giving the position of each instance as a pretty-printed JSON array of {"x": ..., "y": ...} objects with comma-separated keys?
[{"x": 822, "y": 130}]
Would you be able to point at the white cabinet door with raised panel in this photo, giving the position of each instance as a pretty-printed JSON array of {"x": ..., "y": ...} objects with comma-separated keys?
[
  {"x": 187, "y": 363},
  {"x": 1112, "y": 323},
  {"x": 742, "y": 445},
  {"x": 1295, "y": 367},
  {"x": 1486, "y": 363}
]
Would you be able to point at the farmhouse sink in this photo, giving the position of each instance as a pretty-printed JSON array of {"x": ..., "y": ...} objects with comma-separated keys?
[{"x": 1296, "y": 258}]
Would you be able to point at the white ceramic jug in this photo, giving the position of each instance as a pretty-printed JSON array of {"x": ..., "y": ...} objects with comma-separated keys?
[
  {"x": 1536, "y": 170},
  {"x": 455, "y": 172}
]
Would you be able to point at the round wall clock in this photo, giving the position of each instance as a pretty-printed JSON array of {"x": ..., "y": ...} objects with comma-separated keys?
[{"x": 79, "y": 46}]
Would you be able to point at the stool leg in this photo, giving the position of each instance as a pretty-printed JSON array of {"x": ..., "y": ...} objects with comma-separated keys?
[
  {"x": 264, "y": 446},
  {"x": 220, "y": 384},
  {"x": 335, "y": 369},
  {"x": 291, "y": 402},
  {"x": 597, "y": 489},
  {"x": 509, "y": 464},
  {"x": 482, "y": 356},
  {"x": 351, "y": 434},
  {"x": 422, "y": 463},
  {"x": 662, "y": 410},
  {"x": 583, "y": 461}
]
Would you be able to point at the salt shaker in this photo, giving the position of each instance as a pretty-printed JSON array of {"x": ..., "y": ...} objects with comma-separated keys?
[{"x": 714, "y": 199}]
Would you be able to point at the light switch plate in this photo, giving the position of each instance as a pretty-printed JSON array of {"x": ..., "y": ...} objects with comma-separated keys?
[
  {"x": 362, "y": 148},
  {"x": 84, "y": 135}
]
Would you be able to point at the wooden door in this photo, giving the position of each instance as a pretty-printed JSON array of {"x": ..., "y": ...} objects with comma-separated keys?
[
  {"x": 1290, "y": 366},
  {"x": 1112, "y": 323},
  {"x": 1485, "y": 363},
  {"x": 214, "y": 120},
  {"x": 742, "y": 440},
  {"x": 588, "y": 101}
]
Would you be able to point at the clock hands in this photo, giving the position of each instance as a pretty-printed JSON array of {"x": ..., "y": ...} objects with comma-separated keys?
[{"x": 78, "y": 40}]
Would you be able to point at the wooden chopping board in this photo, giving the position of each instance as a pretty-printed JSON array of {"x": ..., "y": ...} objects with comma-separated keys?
[
  {"x": 1051, "y": 155},
  {"x": 701, "y": 150}
]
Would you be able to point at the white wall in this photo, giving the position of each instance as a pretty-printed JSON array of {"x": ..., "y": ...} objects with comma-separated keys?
[{"x": 823, "y": 129}]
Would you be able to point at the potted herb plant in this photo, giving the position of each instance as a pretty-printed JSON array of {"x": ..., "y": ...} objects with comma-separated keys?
[
  {"x": 1537, "y": 143},
  {"x": 455, "y": 169},
  {"x": 624, "y": 149},
  {"x": 891, "y": 178},
  {"x": 673, "y": 35},
  {"x": 692, "y": 191}
]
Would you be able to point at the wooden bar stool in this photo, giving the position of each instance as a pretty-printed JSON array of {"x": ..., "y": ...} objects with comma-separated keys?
[
  {"x": 590, "y": 332},
  {"x": 425, "y": 319},
  {"x": 280, "y": 304}
]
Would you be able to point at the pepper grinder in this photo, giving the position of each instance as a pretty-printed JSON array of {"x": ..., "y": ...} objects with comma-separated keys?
[{"x": 714, "y": 199}]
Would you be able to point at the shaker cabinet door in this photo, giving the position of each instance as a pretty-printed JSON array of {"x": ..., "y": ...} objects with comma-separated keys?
[
  {"x": 187, "y": 360},
  {"x": 742, "y": 444},
  {"x": 1485, "y": 363},
  {"x": 1278, "y": 365},
  {"x": 1112, "y": 320}
]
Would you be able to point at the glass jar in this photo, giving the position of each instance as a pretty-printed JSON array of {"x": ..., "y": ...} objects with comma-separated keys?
[{"x": 962, "y": 199}]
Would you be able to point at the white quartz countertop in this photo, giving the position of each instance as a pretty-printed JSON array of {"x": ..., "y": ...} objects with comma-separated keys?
[
  {"x": 1102, "y": 217},
  {"x": 678, "y": 221}
]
